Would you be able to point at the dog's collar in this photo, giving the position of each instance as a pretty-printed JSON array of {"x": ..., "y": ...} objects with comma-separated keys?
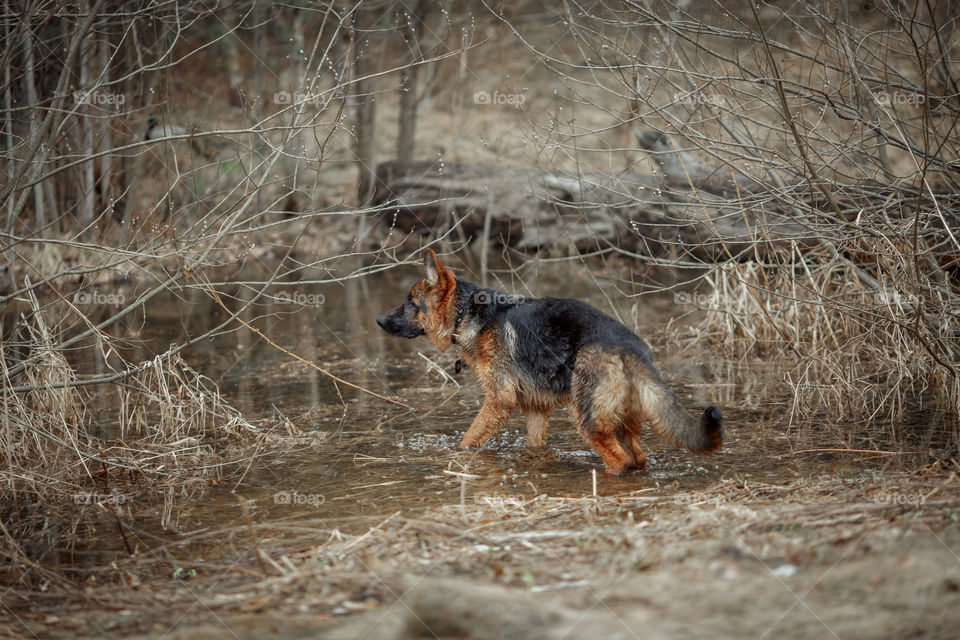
[{"x": 463, "y": 299}]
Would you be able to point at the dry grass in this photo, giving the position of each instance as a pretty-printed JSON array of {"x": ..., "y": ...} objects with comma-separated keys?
[
  {"x": 857, "y": 354},
  {"x": 170, "y": 427}
]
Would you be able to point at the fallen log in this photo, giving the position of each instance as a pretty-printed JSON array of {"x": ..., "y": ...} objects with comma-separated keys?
[
  {"x": 682, "y": 171},
  {"x": 531, "y": 209}
]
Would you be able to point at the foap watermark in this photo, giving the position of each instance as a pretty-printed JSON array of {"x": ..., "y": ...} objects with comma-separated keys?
[
  {"x": 99, "y": 99},
  {"x": 899, "y": 498},
  {"x": 699, "y": 97},
  {"x": 886, "y": 98},
  {"x": 895, "y": 298},
  {"x": 297, "y": 498},
  {"x": 99, "y": 498},
  {"x": 704, "y": 300},
  {"x": 496, "y": 297},
  {"x": 297, "y": 97},
  {"x": 693, "y": 499},
  {"x": 314, "y": 300},
  {"x": 499, "y": 99},
  {"x": 95, "y": 297}
]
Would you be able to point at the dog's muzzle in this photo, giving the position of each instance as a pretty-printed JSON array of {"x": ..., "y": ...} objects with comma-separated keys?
[{"x": 394, "y": 323}]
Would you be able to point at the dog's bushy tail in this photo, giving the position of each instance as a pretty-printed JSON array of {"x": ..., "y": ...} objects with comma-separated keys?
[{"x": 673, "y": 422}]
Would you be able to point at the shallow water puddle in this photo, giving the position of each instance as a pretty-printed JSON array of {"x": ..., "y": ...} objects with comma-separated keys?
[{"x": 369, "y": 458}]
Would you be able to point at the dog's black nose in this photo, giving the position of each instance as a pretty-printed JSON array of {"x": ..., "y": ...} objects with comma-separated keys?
[{"x": 382, "y": 321}]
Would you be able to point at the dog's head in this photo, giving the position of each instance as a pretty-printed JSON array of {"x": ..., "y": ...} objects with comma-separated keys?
[{"x": 430, "y": 308}]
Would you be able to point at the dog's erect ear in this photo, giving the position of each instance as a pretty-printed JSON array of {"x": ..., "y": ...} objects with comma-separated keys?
[
  {"x": 441, "y": 303},
  {"x": 433, "y": 267}
]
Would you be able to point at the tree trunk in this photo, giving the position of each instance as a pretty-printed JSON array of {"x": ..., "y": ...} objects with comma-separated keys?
[
  {"x": 107, "y": 199},
  {"x": 39, "y": 207},
  {"x": 86, "y": 119},
  {"x": 410, "y": 30},
  {"x": 11, "y": 145},
  {"x": 365, "y": 114}
]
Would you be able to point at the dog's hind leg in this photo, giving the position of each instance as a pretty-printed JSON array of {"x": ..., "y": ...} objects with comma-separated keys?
[
  {"x": 599, "y": 392},
  {"x": 536, "y": 428},
  {"x": 628, "y": 440},
  {"x": 616, "y": 460}
]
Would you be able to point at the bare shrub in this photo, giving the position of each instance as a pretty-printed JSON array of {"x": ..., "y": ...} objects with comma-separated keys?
[{"x": 835, "y": 123}]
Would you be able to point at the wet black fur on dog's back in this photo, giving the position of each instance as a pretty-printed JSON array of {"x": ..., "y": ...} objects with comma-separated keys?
[{"x": 550, "y": 332}]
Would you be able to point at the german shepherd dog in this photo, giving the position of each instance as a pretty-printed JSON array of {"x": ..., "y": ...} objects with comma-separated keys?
[{"x": 535, "y": 354}]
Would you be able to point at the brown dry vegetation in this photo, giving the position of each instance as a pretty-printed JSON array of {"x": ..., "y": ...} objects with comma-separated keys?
[{"x": 834, "y": 121}]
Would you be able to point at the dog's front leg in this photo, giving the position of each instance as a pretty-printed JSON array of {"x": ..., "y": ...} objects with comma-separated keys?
[{"x": 493, "y": 415}]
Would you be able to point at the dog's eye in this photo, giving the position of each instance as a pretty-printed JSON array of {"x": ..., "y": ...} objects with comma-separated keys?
[{"x": 417, "y": 303}]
